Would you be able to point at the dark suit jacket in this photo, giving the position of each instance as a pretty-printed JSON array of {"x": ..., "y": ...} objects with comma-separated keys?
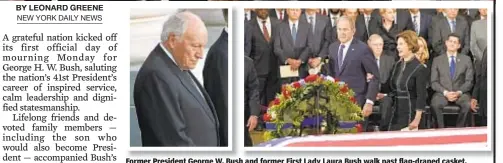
[
  {"x": 285, "y": 48},
  {"x": 169, "y": 107},
  {"x": 319, "y": 46},
  {"x": 442, "y": 29},
  {"x": 252, "y": 106},
  {"x": 272, "y": 14},
  {"x": 440, "y": 74},
  {"x": 258, "y": 49},
  {"x": 479, "y": 89},
  {"x": 386, "y": 63},
  {"x": 424, "y": 24},
  {"x": 215, "y": 81},
  {"x": 358, "y": 61}
]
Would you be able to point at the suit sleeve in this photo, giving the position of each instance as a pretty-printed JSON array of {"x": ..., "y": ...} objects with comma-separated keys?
[
  {"x": 466, "y": 41},
  {"x": 278, "y": 51},
  {"x": 370, "y": 66},
  {"x": 436, "y": 38},
  {"x": 421, "y": 80},
  {"x": 325, "y": 43},
  {"x": 435, "y": 79},
  {"x": 252, "y": 85},
  {"x": 467, "y": 86},
  {"x": 163, "y": 113},
  {"x": 476, "y": 51},
  {"x": 248, "y": 41},
  {"x": 304, "y": 55}
]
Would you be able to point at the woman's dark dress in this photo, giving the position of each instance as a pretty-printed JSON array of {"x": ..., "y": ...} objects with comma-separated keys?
[{"x": 408, "y": 87}]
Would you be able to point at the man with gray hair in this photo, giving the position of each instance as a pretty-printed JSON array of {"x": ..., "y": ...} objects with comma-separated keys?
[
  {"x": 385, "y": 65},
  {"x": 172, "y": 107}
]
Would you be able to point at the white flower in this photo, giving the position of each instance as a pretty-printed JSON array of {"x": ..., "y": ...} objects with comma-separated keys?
[{"x": 272, "y": 114}]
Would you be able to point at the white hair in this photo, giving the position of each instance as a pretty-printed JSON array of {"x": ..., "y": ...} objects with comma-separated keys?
[
  {"x": 176, "y": 24},
  {"x": 374, "y": 37}
]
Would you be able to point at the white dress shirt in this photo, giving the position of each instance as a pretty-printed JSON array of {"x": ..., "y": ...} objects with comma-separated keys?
[
  {"x": 282, "y": 13},
  {"x": 333, "y": 19},
  {"x": 267, "y": 25},
  {"x": 248, "y": 15},
  {"x": 296, "y": 25}
]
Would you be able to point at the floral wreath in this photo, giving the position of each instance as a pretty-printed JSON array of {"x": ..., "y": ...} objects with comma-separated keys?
[{"x": 328, "y": 100}]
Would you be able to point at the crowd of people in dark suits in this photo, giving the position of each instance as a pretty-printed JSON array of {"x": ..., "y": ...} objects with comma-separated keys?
[{"x": 409, "y": 62}]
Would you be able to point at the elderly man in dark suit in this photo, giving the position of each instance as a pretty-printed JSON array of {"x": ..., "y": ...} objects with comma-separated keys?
[
  {"x": 452, "y": 81},
  {"x": 252, "y": 107},
  {"x": 351, "y": 61},
  {"x": 172, "y": 107},
  {"x": 451, "y": 23},
  {"x": 319, "y": 46},
  {"x": 215, "y": 79},
  {"x": 292, "y": 44},
  {"x": 385, "y": 64}
]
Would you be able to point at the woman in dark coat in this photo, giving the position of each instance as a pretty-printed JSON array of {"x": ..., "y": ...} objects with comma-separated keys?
[{"x": 408, "y": 83}]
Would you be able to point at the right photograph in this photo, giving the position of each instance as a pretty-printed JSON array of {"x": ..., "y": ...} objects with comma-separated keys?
[{"x": 366, "y": 77}]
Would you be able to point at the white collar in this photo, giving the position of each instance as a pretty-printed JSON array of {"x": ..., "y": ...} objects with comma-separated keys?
[
  {"x": 418, "y": 14},
  {"x": 346, "y": 45},
  {"x": 259, "y": 20},
  {"x": 168, "y": 54}
]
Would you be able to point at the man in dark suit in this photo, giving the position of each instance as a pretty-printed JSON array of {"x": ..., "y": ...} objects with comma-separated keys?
[
  {"x": 385, "y": 64},
  {"x": 452, "y": 80},
  {"x": 319, "y": 45},
  {"x": 331, "y": 34},
  {"x": 452, "y": 23},
  {"x": 480, "y": 89},
  {"x": 351, "y": 61},
  {"x": 215, "y": 80},
  {"x": 292, "y": 44},
  {"x": 252, "y": 107},
  {"x": 421, "y": 22},
  {"x": 279, "y": 14},
  {"x": 259, "y": 47},
  {"x": 172, "y": 107}
]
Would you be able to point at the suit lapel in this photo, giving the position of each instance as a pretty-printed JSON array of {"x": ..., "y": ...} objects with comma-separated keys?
[
  {"x": 290, "y": 39},
  {"x": 458, "y": 68},
  {"x": 211, "y": 108},
  {"x": 458, "y": 25},
  {"x": 348, "y": 56},
  {"x": 186, "y": 81},
  {"x": 445, "y": 66},
  {"x": 422, "y": 26}
]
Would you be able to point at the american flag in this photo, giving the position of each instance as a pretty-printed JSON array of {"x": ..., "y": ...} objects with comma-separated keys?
[{"x": 466, "y": 137}]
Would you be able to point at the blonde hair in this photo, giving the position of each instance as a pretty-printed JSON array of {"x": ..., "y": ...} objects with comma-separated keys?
[{"x": 425, "y": 54}]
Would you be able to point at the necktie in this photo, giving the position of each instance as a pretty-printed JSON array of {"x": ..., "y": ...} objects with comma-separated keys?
[
  {"x": 266, "y": 32},
  {"x": 334, "y": 20},
  {"x": 453, "y": 67},
  {"x": 280, "y": 15},
  {"x": 294, "y": 33},
  {"x": 416, "y": 27},
  {"x": 340, "y": 56},
  {"x": 311, "y": 21},
  {"x": 324, "y": 11},
  {"x": 367, "y": 19},
  {"x": 187, "y": 75},
  {"x": 453, "y": 26},
  {"x": 377, "y": 60}
]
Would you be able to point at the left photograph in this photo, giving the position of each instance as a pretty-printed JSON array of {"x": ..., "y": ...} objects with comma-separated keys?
[{"x": 178, "y": 78}]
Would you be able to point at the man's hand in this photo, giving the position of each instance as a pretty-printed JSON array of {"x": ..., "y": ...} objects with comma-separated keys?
[
  {"x": 380, "y": 96},
  {"x": 292, "y": 63},
  {"x": 473, "y": 105},
  {"x": 367, "y": 110},
  {"x": 315, "y": 62},
  {"x": 252, "y": 123},
  {"x": 414, "y": 124},
  {"x": 452, "y": 96},
  {"x": 369, "y": 77}
]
